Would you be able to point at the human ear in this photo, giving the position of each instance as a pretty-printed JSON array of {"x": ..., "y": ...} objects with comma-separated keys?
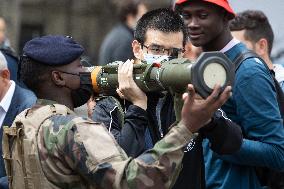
[
  {"x": 57, "y": 78},
  {"x": 137, "y": 50},
  {"x": 261, "y": 47},
  {"x": 5, "y": 73}
]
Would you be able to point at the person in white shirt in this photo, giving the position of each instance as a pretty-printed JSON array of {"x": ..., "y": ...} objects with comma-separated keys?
[
  {"x": 13, "y": 100},
  {"x": 7, "y": 88}
]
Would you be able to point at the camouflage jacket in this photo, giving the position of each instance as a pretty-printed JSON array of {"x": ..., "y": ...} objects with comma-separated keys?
[{"x": 75, "y": 152}]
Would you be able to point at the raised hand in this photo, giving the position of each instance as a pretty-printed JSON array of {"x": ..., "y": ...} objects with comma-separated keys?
[
  {"x": 196, "y": 112},
  {"x": 127, "y": 87}
]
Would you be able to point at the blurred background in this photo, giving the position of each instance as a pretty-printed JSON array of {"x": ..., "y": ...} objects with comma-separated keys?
[{"x": 88, "y": 21}]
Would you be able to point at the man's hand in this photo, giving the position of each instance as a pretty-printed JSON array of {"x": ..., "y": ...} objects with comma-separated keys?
[
  {"x": 90, "y": 106},
  {"x": 196, "y": 113},
  {"x": 127, "y": 87}
]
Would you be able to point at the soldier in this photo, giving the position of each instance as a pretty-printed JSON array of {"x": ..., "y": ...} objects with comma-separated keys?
[{"x": 54, "y": 148}]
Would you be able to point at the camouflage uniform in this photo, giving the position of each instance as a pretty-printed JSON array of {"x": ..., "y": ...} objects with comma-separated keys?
[{"x": 75, "y": 152}]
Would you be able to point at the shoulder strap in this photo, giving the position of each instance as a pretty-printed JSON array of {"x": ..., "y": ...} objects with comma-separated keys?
[
  {"x": 279, "y": 93},
  {"x": 280, "y": 97},
  {"x": 36, "y": 116},
  {"x": 244, "y": 56}
]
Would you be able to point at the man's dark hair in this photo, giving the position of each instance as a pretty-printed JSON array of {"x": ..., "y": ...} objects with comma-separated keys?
[
  {"x": 256, "y": 26},
  {"x": 164, "y": 20},
  {"x": 127, "y": 7},
  {"x": 34, "y": 74}
]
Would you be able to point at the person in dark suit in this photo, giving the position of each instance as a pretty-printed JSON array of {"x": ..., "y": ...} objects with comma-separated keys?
[{"x": 13, "y": 100}]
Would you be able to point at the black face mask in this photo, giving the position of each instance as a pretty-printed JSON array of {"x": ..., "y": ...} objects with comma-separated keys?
[{"x": 81, "y": 95}]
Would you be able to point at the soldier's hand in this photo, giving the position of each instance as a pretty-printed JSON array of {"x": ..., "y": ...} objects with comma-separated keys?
[
  {"x": 127, "y": 87},
  {"x": 196, "y": 113}
]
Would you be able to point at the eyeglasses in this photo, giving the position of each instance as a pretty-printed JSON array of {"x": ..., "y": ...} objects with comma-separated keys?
[{"x": 159, "y": 50}]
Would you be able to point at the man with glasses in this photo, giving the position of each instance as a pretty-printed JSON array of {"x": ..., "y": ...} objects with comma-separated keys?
[
  {"x": 160, "y": 35},
  {"x": 129, "y": 127},
  {"x": 160, "y": 50}
]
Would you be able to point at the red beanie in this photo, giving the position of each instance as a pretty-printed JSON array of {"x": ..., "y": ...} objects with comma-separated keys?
[{"x": 221, "y": 3}]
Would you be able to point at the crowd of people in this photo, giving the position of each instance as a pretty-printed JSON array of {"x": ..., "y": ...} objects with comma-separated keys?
[{"x": 234, "y": 138}]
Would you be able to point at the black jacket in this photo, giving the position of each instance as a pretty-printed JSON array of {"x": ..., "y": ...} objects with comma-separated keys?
[
  {"x": 225, "y": 138},
  {"x": 128, "y": 129}
]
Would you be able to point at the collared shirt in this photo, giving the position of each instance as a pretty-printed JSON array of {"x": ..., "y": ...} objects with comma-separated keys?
[
  {"x": 230, "y": 45},
  {"x": 6, "y": 101}
]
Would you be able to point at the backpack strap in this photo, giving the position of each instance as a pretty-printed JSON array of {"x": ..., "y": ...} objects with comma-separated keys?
[
  {"x": 244, "y": 56},
  {"x": 280, "y": 96},
  {"x": 7, "y": 156},
  {"x": 279, "y": 93},
  {"x": 13, "y": 137},
  {"x": 38, "y": 116}
]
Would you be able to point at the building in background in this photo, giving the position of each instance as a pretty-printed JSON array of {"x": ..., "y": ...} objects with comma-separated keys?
[
  {"x": 274, "y": 11},
  {"x": 86, "y": 21}
]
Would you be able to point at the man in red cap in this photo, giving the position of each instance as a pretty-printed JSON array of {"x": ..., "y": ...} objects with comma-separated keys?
[{"x": 253, "y": 104}]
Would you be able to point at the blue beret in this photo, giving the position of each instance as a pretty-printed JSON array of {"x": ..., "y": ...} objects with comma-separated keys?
[{"x": 54, "y": 50}]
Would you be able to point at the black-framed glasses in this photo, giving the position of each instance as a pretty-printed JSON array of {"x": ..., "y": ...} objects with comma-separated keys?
[{"x": 160, "y": 50}]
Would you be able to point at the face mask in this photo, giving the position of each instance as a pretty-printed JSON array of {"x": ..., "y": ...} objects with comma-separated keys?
[
  {"x": 81, "y": 95},
  {"x": 152, "y": 58}
]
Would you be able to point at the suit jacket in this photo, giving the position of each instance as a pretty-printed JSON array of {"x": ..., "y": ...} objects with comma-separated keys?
[{"x": 21, "y": 100}]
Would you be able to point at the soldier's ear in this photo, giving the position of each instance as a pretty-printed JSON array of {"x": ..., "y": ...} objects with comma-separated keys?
[
  {"x": 137, "y": 50},
  {"x": 57, "y": 78}
]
